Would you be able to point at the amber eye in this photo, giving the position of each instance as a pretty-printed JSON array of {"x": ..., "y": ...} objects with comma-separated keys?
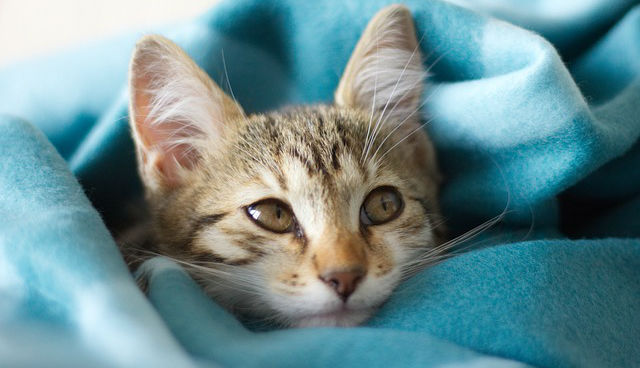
[
  {"x": 271, "y": 214},
  {"x": 382, "y": 205}
]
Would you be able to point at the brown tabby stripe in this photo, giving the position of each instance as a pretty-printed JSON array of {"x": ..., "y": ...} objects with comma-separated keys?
[
  {"x": 320, "y": 167},
  {"x": 295, "y": 153},
  {"x": 205, "y": 221},
  {"x": 248, "y": 241},
  {"x": 334, "y": 157},
  {"x": 247, "y": 244},
  {"x": 210, "y": 258}
]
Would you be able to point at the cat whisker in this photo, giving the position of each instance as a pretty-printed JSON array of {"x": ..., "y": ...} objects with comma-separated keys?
[
  {"x": 218, "y": 284},
  {"x": 378, "y": 126},
  {"x": 442, "y": 251},
  {"x": 402, "y": 122},
  {"x": 226, "y": 77},
  {"x": 231, "y": 275},
  {"x": 373, "y": 105},
  {"x": 406, "y": 137},
  {"x": 462, "y": 238},
  {"x": 433, "y": 92},
  {"x": 418, "y": 81},
  {"x": 412, "y": 268}
]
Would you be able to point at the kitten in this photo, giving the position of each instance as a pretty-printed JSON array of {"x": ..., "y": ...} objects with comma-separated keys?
[{"x": 309, "y": 216}]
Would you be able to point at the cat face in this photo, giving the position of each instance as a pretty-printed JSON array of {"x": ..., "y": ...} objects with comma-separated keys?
[{"x": 309, "y": 216}]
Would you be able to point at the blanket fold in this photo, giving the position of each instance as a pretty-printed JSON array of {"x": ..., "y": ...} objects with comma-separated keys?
[{"x": 63, "y": 284}]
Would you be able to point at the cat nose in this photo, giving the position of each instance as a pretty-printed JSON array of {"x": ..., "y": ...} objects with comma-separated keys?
[{"x": 344, "y": 283}]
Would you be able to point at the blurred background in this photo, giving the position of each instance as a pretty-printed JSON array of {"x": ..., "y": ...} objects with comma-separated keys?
[{"x": 29, "y": 28}]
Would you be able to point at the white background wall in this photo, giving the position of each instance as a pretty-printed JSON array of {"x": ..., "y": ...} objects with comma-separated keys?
[{"x": 32, "y": 27}]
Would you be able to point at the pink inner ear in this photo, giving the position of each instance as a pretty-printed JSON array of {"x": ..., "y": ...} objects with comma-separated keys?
[
  {"x": 163, "y": 138},
  {"x": 171, "y": 161}
]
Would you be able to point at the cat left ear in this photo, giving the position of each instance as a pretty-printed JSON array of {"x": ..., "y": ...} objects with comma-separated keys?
[
  {"x": 176, "y": 111},
  {"x": 385, "y": 73}
]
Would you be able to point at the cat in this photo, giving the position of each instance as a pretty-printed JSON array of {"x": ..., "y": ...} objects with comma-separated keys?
[{"x": 308, "y": 216}]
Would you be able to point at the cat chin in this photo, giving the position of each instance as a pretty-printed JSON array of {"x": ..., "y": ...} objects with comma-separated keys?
[{"x": 342, "y": 318}]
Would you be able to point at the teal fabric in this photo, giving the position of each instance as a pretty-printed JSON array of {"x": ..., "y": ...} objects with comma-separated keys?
[{"x": 535, "y": 116}]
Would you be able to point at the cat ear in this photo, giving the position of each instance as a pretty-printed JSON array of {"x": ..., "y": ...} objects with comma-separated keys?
[
  {"x": 175, "y": 110},
  {"x": 385, "y": 72}
]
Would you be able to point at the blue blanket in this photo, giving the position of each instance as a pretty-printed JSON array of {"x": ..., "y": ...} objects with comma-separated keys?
[{"x": 535, "y": 117}]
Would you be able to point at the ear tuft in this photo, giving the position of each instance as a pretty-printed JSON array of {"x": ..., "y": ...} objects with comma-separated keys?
[
  {"x": 175, "y": 110},
  {"x": 385, "y": 72}
]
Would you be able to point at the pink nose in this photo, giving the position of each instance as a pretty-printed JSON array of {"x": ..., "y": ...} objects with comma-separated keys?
[{"x": 344, "y": 283}]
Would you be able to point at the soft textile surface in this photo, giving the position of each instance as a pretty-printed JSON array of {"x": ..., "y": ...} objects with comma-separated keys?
[{"x": 538, "y": 123}]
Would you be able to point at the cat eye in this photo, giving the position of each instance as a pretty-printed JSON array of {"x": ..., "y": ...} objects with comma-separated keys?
[
  {"x": 271, "y": 214},
  {"x": 382, "y": 205}
]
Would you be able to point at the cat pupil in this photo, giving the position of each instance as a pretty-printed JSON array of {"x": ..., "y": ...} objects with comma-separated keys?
[{"x": 383, "y": 202}]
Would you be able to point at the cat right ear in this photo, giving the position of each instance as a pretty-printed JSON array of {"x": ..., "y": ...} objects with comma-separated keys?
[
  {"x": 385, "y": 73},
  {"x": 176, "y": 111}
]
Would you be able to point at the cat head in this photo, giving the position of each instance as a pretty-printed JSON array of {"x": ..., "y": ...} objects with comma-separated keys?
[{"x": 308, "y": 216}]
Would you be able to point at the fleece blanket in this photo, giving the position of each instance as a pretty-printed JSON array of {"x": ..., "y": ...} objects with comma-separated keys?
[{"x": 535, "y": 109}]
